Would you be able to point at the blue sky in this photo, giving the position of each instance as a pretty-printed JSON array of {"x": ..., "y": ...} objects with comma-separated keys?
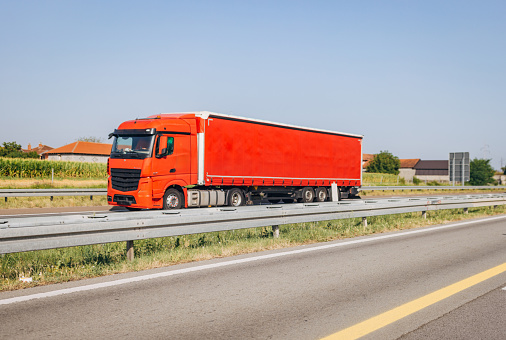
[{"x": 417, "y": 78}]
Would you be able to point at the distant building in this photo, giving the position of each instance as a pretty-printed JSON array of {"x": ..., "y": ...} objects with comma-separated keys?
[
  {"x": 500, "y": 178},
  {"x": 432, "y": 171},
  {"x": 407, "y": 169},
  {"x": 81, "y": 152},
  {"x": 424, "y": 170},
  {"x": 40, "y": 150}
]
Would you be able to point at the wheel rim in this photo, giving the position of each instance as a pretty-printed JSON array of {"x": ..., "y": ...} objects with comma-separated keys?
[
  {"x": 322, "y": 196},
  {"x": 236, "y": 199},
  {"x": 172, "y": 201},
  {"x": 308, "y": 196}
]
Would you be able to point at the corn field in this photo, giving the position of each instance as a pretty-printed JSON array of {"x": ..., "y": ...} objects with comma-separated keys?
[
  {"x": 34, "y": 168},
  {"x": 381, "y": 179}
]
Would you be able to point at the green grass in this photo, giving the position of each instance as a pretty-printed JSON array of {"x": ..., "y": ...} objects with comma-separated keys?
[
  {"x": 67, "y": 264},
  {"x": 371, "y": 179},
  {"x": 57, "y": 202}
]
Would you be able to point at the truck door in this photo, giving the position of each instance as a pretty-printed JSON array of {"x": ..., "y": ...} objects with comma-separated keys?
[{"x": 171, "y": 161}]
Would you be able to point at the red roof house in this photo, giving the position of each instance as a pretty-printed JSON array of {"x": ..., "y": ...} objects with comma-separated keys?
[{"x": 81, "y": 152}]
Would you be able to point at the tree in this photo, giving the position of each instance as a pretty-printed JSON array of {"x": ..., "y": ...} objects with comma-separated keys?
[
  {"x": 13, "y": 150},
  {"x": 504, "y": 170},
  {"x": 481, "y": 172},
  {"x": 385, "y": 163},
  {"x": 91, "y": 139}
]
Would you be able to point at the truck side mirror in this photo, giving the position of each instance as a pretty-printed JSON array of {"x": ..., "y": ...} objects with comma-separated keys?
[{"x": 161, "y": 145}]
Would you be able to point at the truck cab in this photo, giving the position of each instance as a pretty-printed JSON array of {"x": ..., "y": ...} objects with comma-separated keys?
[{"x": 149, "y": 157}]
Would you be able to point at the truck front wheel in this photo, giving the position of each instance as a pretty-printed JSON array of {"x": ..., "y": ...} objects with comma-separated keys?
[
  {"x": 173, "y": 199},
  {"x": 235, "y": 197}
]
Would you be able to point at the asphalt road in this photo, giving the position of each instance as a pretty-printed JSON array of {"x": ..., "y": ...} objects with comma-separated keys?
[{"x": 299, "y": 293}]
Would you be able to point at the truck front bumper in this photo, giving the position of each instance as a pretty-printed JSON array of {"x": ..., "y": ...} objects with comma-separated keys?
[{"x": 141, "y": 198}]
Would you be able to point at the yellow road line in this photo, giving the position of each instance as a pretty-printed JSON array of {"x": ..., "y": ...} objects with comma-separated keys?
[{"x": 382, "y": 320}]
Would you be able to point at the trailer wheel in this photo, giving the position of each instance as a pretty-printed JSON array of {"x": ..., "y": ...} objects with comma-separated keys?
[
  {"x": 235, "y": 197},
  {"x": 307, "y": 195},
  {"x": 173, "y": 199},
  {"x": 321, "y": 194}
]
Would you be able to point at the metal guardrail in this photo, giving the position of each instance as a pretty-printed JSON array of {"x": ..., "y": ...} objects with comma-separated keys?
[
  {"x": 51, "y": 192},
  {"x": 100, "y": 192},
  {"x": 19, "y": 234},
  {"x": 431, "y": 187}
]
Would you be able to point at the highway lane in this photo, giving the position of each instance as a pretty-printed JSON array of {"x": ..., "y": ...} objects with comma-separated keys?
[
  {"x": 482, "y": 318},
  {"x": 299, "y": 293}
]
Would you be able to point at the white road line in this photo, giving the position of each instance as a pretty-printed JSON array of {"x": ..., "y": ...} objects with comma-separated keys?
[{"x": 232, "y": 262}]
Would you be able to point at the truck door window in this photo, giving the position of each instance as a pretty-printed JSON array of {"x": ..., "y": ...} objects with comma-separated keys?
[{"x": 164, "y": 142}]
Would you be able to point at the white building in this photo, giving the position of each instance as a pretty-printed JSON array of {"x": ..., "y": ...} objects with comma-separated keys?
[{"x": 81, "y": 152}]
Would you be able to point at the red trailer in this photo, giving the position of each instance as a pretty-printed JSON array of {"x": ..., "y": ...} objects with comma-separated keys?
[{"x": 210, "y": 159}]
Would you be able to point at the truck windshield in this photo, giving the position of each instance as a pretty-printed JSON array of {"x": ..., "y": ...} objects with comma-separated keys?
[{"x": 132, "y": 146}]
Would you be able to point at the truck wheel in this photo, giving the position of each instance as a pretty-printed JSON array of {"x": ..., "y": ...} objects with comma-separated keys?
[
  {"x": 321, "y": 194},
  {"x": 173, "y": 199},
  {"x": 307, "y": 195},
  {"x": 235, "y": 197}
]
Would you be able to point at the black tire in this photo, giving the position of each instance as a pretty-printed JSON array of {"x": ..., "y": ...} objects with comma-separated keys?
[
  {"x": 307, "y": 195},
  {"x": 235, "y": 197},
  {"x": 173, "y": 199},
  {"x": 321, "y": 194}
]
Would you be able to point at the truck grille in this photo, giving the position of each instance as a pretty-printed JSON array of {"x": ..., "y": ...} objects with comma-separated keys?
[{"x": 125, "y": 179}]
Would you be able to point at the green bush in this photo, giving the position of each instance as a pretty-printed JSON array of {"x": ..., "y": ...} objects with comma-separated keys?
[{"x": 384, "y": 162}]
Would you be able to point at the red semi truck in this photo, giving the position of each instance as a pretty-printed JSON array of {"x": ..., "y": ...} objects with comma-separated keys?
[{"x": 170, "y": 161}]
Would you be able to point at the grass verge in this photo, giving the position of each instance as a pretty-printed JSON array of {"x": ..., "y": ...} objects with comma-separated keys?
[
  {"x": 57, "y": 202},
  {"x": 57, "y": 183},
  {"x": 424, "y": 192},
  {"x": 67, "y": 264}
]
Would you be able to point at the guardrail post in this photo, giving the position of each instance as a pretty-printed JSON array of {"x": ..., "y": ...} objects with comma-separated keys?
[
  {"x": 424, "y": 214},
  {"x": 51, "y": 198},
  {"x": 275, "y": 231},
  {"x": 364, "y": 221},
  {"x": 5, "y": 199},
  {"x": 130, "y": 250},
  {"x": 466, "y": 210},
  {"x": 91, "y": 197}
]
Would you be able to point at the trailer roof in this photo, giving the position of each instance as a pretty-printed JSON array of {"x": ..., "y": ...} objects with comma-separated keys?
[{"x": 207, "y": 114}]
